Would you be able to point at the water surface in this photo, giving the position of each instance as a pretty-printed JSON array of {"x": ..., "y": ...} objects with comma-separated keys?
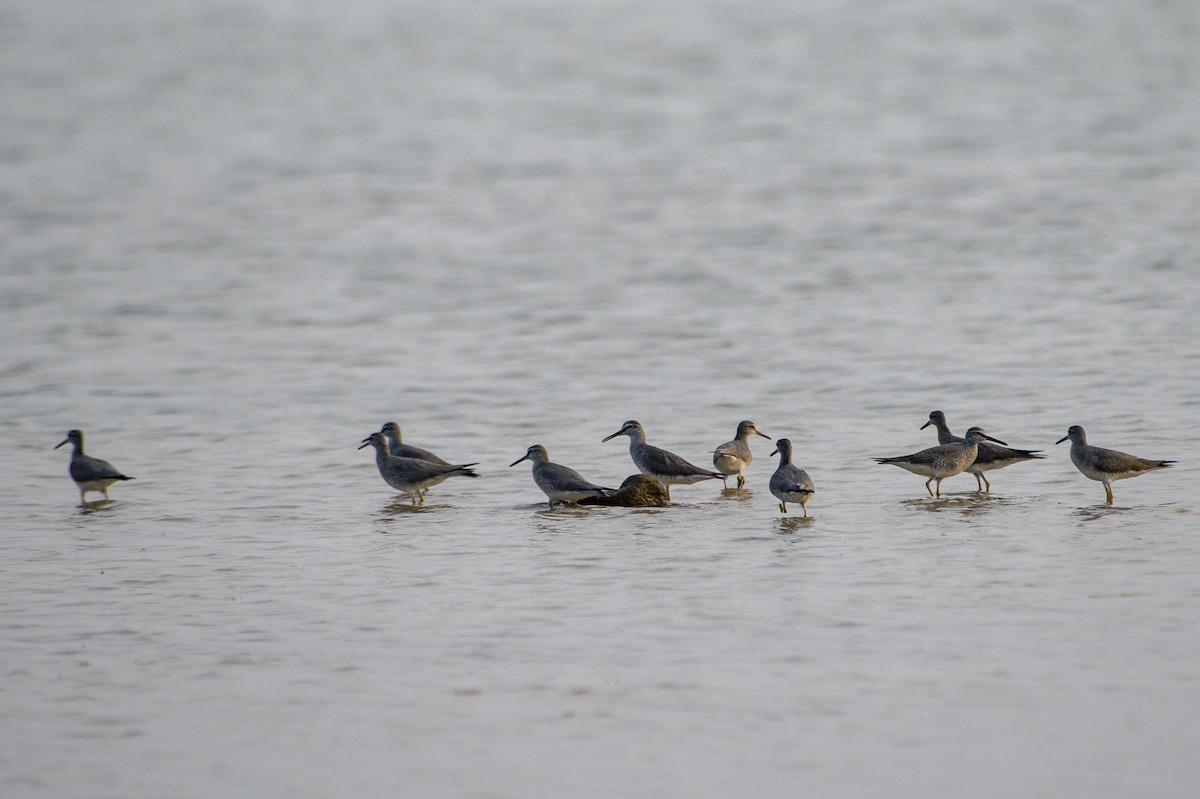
[{"x": 238, "y": 237}]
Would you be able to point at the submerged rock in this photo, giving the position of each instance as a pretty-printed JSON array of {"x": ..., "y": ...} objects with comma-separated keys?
[{"x": 638, "y": 491}]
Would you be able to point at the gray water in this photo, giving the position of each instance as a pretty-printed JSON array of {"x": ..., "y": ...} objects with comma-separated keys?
[{"x": 236, "y": 237}]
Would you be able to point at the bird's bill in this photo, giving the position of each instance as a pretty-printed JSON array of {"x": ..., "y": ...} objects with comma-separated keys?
[
  {"x": 927, "y": 424},
  {"x": 998, "y": 441},
  {"x": 1061, "y": 440},
  {"x": 614, "y": 435},
  {"x": 524, "y": 457},
  {"x": 774, "y": 452},
  {"x": 366, "y": 442},
  {"x": 59, "y": 444},
  {"x": 764, "y": 435}
]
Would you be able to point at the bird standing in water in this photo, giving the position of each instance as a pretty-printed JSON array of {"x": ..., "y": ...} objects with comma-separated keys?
[
  {"x": 790, "y": 483},
  {"x": 665, "y": 467},
  {"x": 734, "y": 456},
  {"x": 559, "y": 483},
  {"x": 90, "y": 474},
  {"x": 945, "y": 460},
  {"x": 411, "y": 475},
  {"x": 1106, "y": 465},
  {"x": 989, "y": 457}
]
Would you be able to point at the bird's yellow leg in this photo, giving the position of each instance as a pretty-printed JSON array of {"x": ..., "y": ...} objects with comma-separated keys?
[{"x": 927, "y": 488}]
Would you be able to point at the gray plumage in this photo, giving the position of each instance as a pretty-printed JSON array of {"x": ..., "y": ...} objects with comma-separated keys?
[
  {"x": 1106, "y": 465},
  {"x": 665, "y": 467},
  {"x": 90, "y": 474},
  {"x": 790, "y": 483},
  {"x": 990, "y": 456},
  {"x": 396, "y": 446},
  {"x": 411, "y": 476},
  {"x": 559, "y": 483},
  {"x": 734, "y": 456},
  {"x": 945, "y": 460}
]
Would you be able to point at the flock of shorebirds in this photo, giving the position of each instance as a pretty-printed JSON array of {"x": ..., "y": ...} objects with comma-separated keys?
[{"x": 413, "y": 471}]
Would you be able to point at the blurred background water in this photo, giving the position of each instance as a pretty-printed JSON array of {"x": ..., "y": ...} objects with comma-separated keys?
[{"x": 236, "y": 237}]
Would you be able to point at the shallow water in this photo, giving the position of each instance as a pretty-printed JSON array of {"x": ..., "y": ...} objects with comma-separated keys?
[{"x": 237, "y": 237}]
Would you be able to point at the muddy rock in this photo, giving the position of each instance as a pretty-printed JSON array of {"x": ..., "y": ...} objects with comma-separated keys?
[{"x": 638, "y": 491}]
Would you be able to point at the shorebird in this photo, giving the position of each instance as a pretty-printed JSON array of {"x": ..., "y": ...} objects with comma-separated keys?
[
  {"x": 790, "y": 483},
  {"x": 559, "y": 483},
  {"x": 945, "y": 460},
  {"x": 665, "y": 467},
  {"x": 733, "y": 457},
  {"x": 391, "y": 431},
  {"x": 90, "y": 474},
  {"x": 411, "y": 475},
  {"x": 1106, "y": 465},
  {"x": 990, "y": 456},
  {"x": 396, "y": 447}
]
